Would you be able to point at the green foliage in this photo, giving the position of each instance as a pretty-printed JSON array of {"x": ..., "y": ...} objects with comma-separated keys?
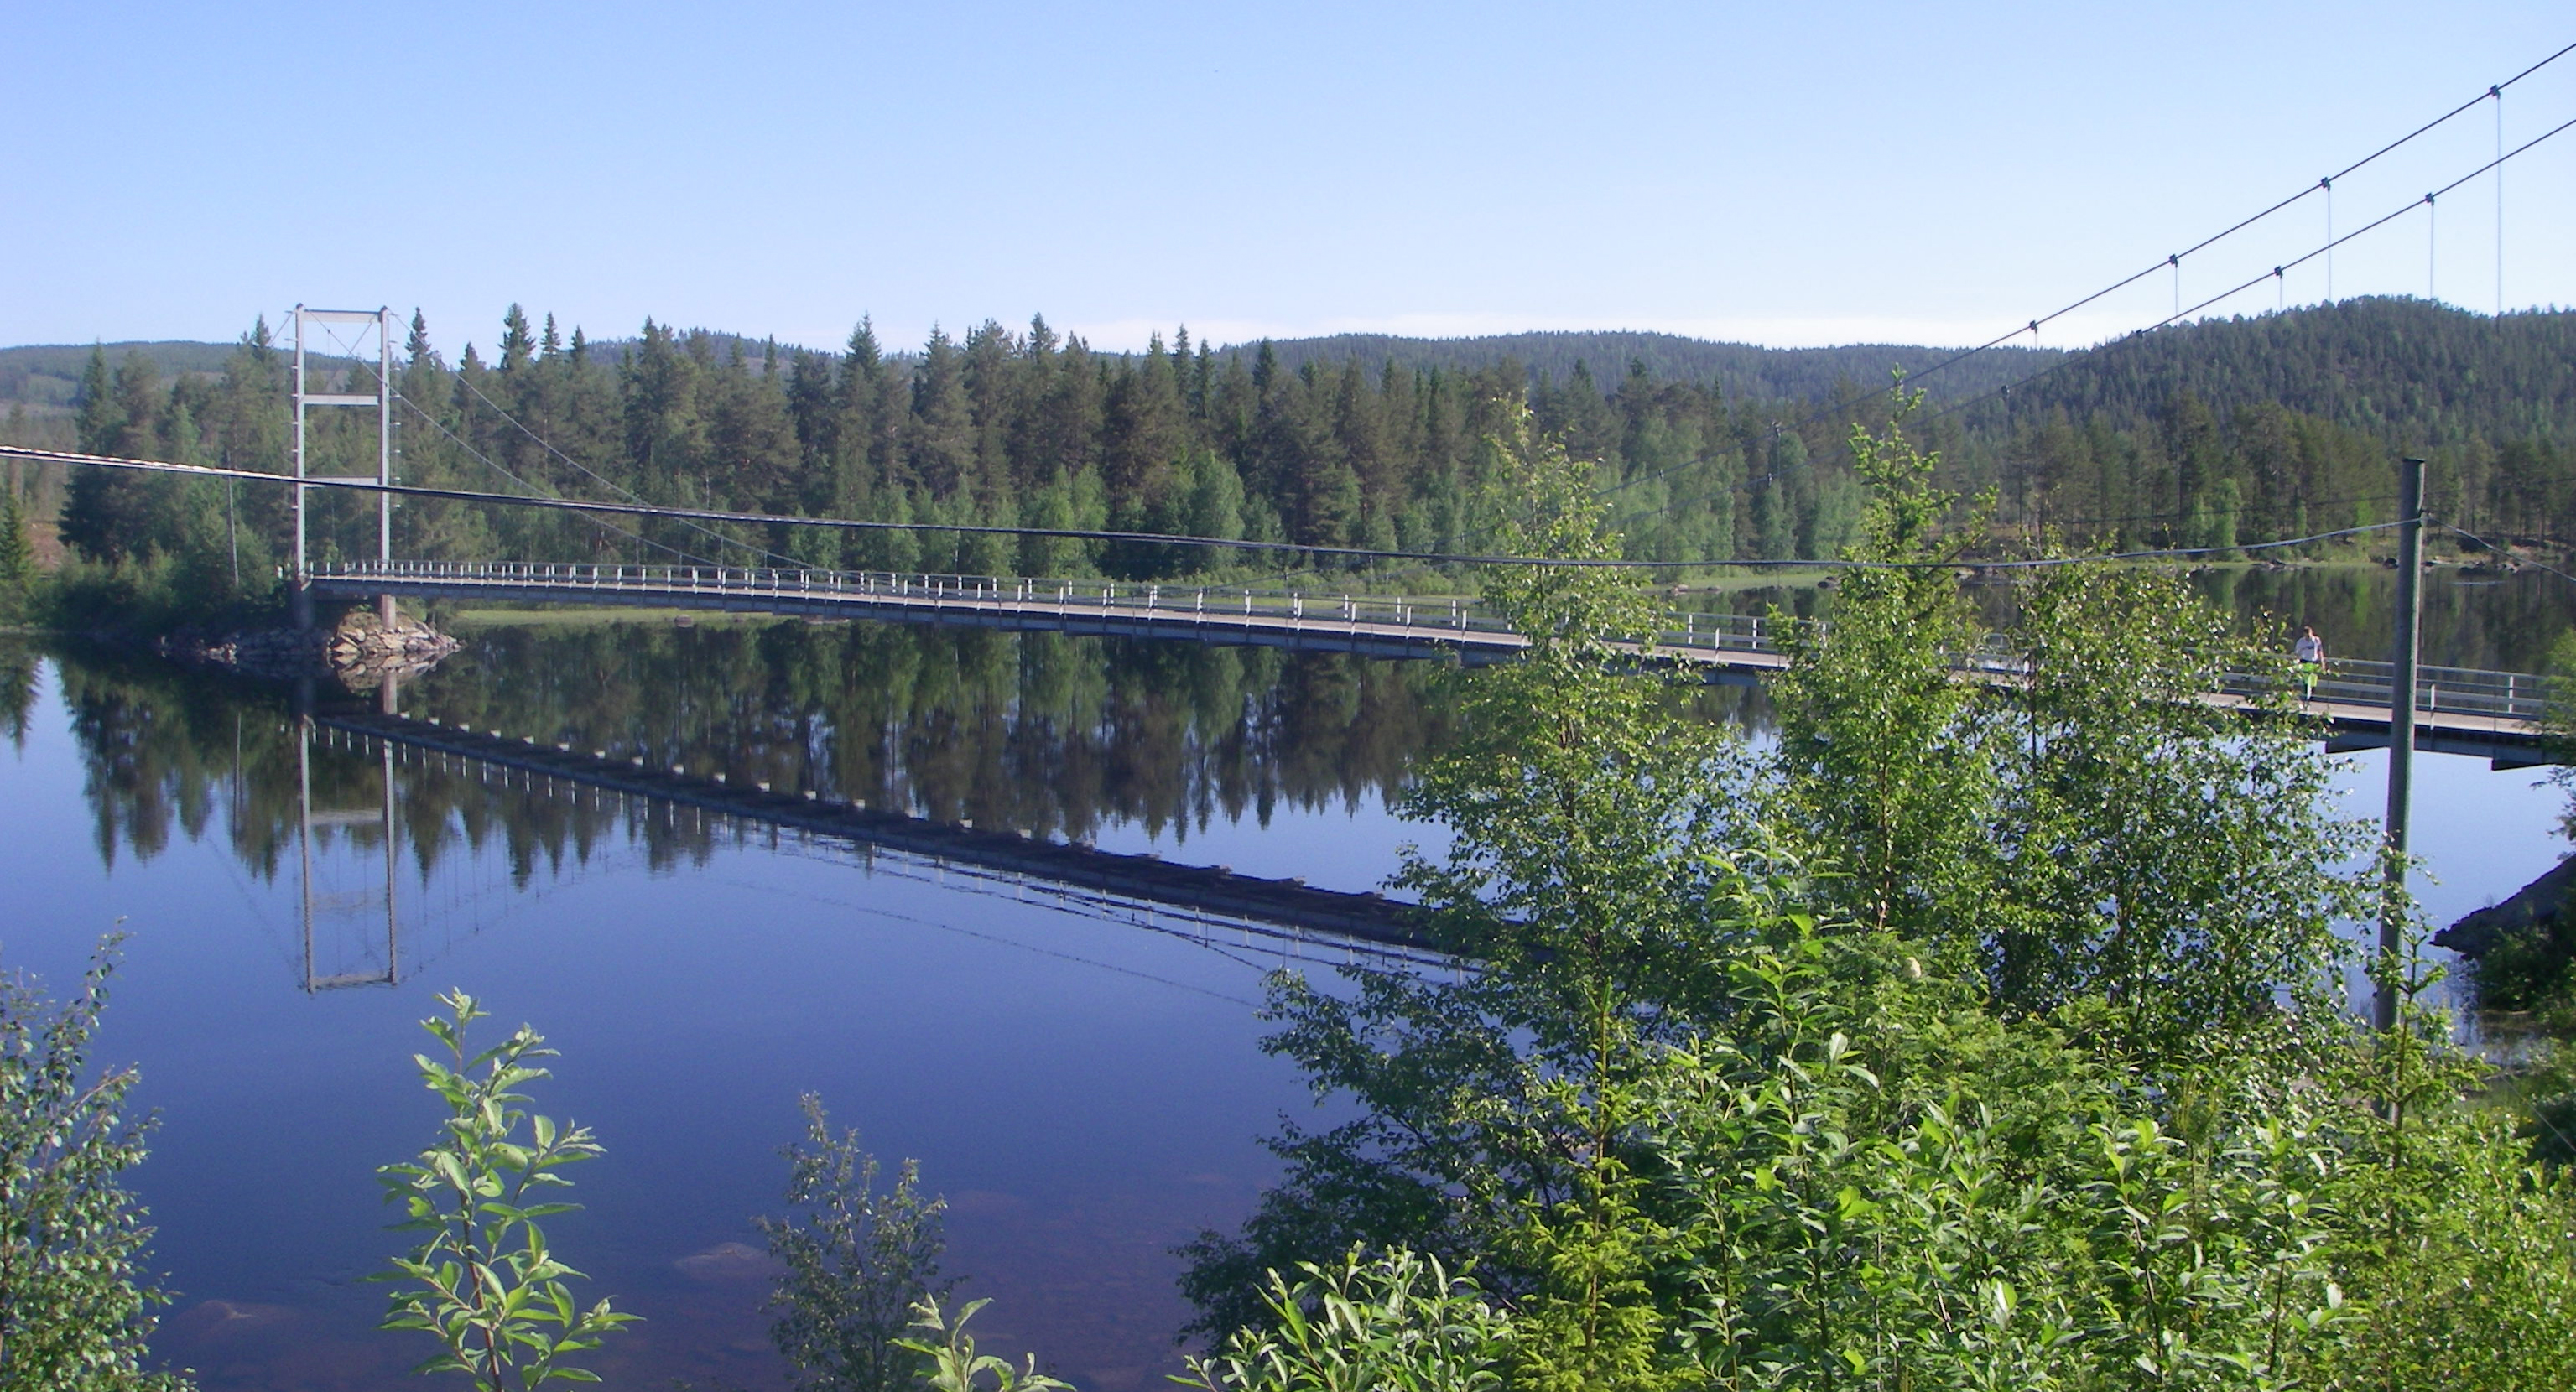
[
  {"x": 1879, "y": 758},
  {"x": 149, "y": 594},
  {"x": 74, "y": 1311},
  {"x": 154, "y": 551},
  {"x": 1884, "y": 1186},
  {"x": 2076, "y": 820},
  {"x": 17, "y": 555},
  {"x": 1984, "y": 1037},
  {"x": 2454, "y": 1245},
  {"x": 483, "y": 1282},
  {"x": 1396, "y": 1323},
  {"x": 955, "y": 1366},
  {"x": 858, "y": 1263},
  {"x": 1583, "y": 811}
]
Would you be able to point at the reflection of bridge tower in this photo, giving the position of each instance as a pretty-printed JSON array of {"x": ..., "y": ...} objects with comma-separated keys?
[{"x": 382, "y": 816}]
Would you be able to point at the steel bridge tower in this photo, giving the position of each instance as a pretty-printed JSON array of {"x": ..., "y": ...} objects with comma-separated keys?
[{"x": 299, "y": 590}]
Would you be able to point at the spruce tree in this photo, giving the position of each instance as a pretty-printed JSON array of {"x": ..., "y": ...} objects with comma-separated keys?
[{"x": 17, "y": 553}]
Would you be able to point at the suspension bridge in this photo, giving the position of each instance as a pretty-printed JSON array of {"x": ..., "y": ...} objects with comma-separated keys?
[{"x": 2488, "y": 714}]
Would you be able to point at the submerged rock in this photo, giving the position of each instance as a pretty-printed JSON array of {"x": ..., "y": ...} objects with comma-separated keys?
[{"x": 729, "y": 1261}]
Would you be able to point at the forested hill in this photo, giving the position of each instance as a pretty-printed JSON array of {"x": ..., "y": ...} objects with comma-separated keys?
[
  {"x": 2408, "y": 372},
  {"x": 1740, "y": 370},
  {"x": 2214, "y": 435},
  {"x": 48, "y": 375}
]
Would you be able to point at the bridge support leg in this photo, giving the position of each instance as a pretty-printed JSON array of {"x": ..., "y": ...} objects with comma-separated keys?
[{"x": 385, "y": 611}]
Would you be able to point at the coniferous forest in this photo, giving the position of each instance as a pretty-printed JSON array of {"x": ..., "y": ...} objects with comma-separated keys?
[{"x": 2216, "y": 434}]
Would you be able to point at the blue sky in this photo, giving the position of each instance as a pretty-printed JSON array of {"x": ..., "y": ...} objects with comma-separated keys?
[{"x": 1788, "y": 174}]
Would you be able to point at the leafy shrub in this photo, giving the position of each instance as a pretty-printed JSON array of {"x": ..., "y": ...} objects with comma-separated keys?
[
  {"x": 859, "y": 1264},
  {"x": 483, "y": 1282},
  {"x": 74, "y": 1311}
]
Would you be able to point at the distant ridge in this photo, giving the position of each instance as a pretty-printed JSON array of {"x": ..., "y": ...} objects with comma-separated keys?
[
  {"x": 1741, "y": 370},
  {"x": 2399, "y": 369},
  {"x": 2407, "y": 371},
  {"x": 48, "y": 375}
]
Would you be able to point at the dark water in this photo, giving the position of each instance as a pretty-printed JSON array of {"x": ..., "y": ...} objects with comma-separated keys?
[{"x": 1083, "y": 1082}]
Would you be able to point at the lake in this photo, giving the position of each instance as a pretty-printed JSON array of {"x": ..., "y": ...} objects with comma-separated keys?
[{"x": 1080, "y": 1075}]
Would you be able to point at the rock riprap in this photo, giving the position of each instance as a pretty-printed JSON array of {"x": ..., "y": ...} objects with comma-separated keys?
[{"x": 359, "y": 649}]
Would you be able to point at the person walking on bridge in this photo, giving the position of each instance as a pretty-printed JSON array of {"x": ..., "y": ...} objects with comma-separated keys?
[{"x": 2309, "y": 651}]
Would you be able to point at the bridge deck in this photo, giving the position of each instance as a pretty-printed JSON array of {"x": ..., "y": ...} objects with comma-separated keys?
[{"x": 2460, "y": 710}]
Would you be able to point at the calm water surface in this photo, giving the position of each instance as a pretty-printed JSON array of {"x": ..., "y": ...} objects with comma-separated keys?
[{"x": 1084, "y": 1084}]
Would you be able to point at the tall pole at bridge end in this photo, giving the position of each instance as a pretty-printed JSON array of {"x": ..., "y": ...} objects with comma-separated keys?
[{"x": 2401, "y": 732}]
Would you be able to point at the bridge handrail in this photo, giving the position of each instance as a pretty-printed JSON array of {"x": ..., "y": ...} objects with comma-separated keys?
[
  {"x": 2518, "y": 696},
  {"x": 1714, "y": 630}
]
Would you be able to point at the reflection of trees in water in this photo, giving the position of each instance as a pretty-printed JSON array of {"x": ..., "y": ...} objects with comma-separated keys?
[
  {"x": 1054, "y": 735},
  {"x": 2502, "y": 623},
  {"x": 17, "y": 688},
  {"x": 164, "y": 750},
  {"x": 1045, "y": 733}
]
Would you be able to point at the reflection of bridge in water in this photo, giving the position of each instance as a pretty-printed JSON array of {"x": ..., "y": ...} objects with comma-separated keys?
[
  {"x": 2486, "y": 714},
  {"x": 315, "y": 902},
  {"x": 1210, "y": 905}
]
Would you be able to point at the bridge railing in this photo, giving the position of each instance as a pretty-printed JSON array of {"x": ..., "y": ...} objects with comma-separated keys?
[
  {"x": 1213, "y": 604},
  {"x": 2458, "y": 691},
  {"x": 2451, "y": 691}
]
